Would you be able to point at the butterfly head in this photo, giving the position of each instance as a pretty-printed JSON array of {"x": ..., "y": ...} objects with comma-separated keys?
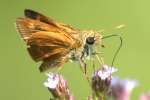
[{"x": 91, "y": 37}]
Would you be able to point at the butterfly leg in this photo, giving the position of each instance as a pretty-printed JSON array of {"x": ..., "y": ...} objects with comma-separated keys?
[
  {"x": 83, "y": 67},
  {"x": 99, "y": 57}
]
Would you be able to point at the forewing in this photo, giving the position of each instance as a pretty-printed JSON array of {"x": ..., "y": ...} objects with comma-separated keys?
[
  {"x": 37, "y": 16},
  {"x": 27, "y": 27}
]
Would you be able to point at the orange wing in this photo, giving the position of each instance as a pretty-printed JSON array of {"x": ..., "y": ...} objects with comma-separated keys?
[
  {"x": 47, "y": 41},
  {"x": 37, "y": 16}
]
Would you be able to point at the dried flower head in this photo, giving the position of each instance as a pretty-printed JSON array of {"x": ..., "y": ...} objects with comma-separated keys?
[
  {"x": 58, "y": 87},
  {"x": 121, "y": 89},
  {"x": 101, "y": 80}
]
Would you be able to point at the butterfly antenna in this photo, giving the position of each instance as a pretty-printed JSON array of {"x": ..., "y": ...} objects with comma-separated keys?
[{"x": 121, "y": 41}]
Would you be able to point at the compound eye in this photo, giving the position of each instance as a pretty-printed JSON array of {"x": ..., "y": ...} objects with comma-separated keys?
[{"x": 90, "y": 40}]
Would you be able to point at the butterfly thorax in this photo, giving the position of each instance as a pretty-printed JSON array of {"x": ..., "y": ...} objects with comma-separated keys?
[{"x": 86, "y": 44}]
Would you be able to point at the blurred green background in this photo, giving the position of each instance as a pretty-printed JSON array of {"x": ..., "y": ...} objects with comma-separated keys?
[{"x": 20, "y": 78}]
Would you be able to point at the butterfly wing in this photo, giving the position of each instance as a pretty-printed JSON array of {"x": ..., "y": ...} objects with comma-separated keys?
[
  {"x": 52, "y": 48},
  {"x": 45, "y": 40},
  {"x": 37, "y": 16}
]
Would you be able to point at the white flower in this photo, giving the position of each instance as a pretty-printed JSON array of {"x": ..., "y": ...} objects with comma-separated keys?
[
  {"x": 127, "y": 85},
  {"x": 130, "y": 84},
  {"x": 52, "y": 81},
  {"x": 122, "y": 89},
  {"x": 106, "y": 72},
  {"x": 58, "y": 87}
]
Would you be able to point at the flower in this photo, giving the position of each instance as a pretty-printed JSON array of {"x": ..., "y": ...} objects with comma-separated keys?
[
  {"x": 121, "y": 89},
  {"x": 58, "y": 86},
  {"x": 105, "y": 72},
  {"x": 145, "y": 96},
  {"x": 101, "y": 80},
  {"x": 52, "y": 81}
]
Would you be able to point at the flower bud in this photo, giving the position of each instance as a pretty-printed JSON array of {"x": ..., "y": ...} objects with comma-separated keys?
[
  {"x": 58, "y": 87},
  {"x": 101, "y": 80},
  {"x": 121, "y": 89}
]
